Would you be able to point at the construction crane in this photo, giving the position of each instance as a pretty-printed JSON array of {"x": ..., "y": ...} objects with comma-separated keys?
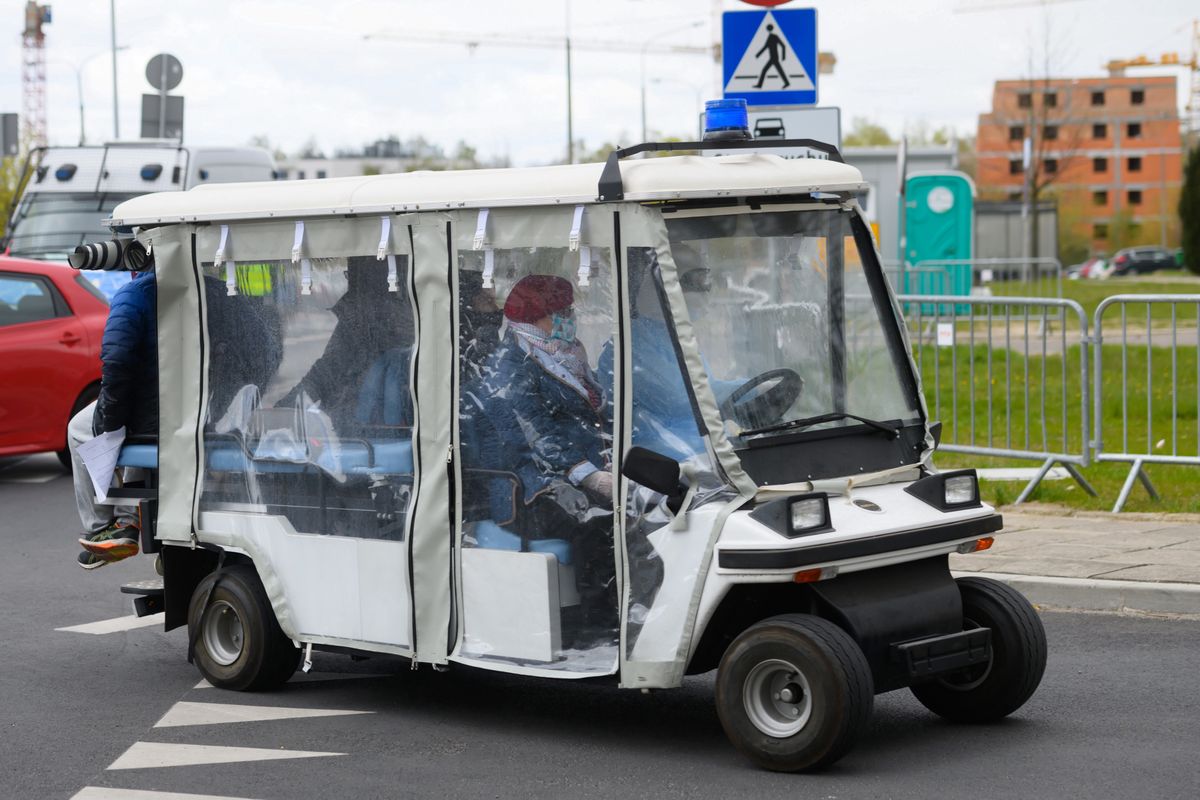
[
  {"x": 1117, "y": 67},
  {"x": 33, "y": 76}
]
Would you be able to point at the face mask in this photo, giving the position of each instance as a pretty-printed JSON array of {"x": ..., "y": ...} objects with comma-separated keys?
[{"x": 562, "y": 327}]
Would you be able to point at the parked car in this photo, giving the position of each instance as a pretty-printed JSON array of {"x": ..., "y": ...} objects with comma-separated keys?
[
  {"x": 1086, "y": 269},
  {"x": 51, "y": 322},
  {"x": 1142, "y": 259}
]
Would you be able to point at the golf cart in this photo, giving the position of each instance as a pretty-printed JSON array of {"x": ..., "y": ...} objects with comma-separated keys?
[{"x": 715, "y": 455}]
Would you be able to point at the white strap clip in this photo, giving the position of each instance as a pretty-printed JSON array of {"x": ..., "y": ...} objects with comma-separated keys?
[
  {"x": 298, "y": 242},
  {"x": 305, "y": 276},
  {"x": 393, "y": 278},
  {"x": 481, "y": 229},
  {"x": 576, "y": 226},
  {"x": 219, "y": 257},
  {"x": 384, "y": 236},
  {"x": 230, "y": 278},
  {"x": 489, "y": 266},
  {"x": 307, "y": 658},
  {"x": 585, "y": 266}
]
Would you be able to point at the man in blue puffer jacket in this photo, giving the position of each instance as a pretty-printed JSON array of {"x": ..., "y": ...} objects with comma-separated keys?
[{"x": 128, "y": 399}]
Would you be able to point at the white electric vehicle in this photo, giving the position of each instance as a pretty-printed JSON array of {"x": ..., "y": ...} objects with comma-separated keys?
[{"x": 714, "y": 455}]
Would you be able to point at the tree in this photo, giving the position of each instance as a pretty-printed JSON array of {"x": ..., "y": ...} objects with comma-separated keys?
[
  {"x": 1189, "y": 211},
  {"x": 9, "y": 175},
  {"x": 261, "y": 140},
  {"x": 865, "y": 133}
]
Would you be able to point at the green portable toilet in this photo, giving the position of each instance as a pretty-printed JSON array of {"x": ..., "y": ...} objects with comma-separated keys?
[{"x": 940, "y": 221}]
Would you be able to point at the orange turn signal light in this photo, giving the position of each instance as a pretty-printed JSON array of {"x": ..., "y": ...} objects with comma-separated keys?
[
  {"x": 814, "y": 575},
  {"x": 977, "y": 546}
]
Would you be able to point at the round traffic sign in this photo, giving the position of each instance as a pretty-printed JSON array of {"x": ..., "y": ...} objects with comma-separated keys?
[{"x": 164, "y": 72}]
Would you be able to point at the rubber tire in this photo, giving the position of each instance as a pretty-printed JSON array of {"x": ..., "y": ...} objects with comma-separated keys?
[
  {"x": 268, "y": 657},
  {"x": 1018, "y": 656},
  {"x": 840, "y": 684},
  {"x": 86, "y": 396}
]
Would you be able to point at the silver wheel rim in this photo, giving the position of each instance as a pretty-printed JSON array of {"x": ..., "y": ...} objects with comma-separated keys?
[
  {"x": 222, "y": 632},
  {"x": 777, "y": 698}
]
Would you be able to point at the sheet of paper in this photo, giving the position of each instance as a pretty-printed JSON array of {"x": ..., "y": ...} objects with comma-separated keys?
[{"x": 100, "y": 457}]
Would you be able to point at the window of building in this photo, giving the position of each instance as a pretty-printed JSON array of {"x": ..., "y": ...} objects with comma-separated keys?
[
  {"x": 1135, "y": 163},
  {"x": 1050, "y": 99},
  {"x": 1099, "y": 130},
  {"x": 1016, "y": 196},
  {"x": 1014, "y": 167},
  {"x": 1133, "y": 130},
  {"x": 1099, "y": 231},
  {"x": 1100, "y": 164},
  {"x": 1024, "y": 100},
  {"x": 299, "y": 174},
  {"x": 1098, "y": 98},
  {"x": 1050, "y": 132},
  {"x": 1135, "y": 197},
  {"x": 1051, "y": 165},
  {"x": 1016, "y": 133},
  {"x": 1100, "y": 198},
  {"x": 1137, "y": 97},
  {"x": 320, "y": 173}
]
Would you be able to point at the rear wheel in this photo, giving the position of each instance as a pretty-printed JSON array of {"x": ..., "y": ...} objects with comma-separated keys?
[
  {"x": 990, "y": 691},
  {"x": 793, "y": 693},
  {"x": 87, "y": 396},
  {"x": 239, "y": 644}
]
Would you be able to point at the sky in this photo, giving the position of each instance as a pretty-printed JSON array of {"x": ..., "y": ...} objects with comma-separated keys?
[{"x": 301, "y": 70}]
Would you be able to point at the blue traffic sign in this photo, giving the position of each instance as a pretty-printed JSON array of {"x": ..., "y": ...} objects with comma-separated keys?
[{"x": 770, "y": 57}]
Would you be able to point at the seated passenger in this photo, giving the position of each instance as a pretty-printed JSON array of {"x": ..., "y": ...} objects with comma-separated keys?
[{"x": 370, "y": 321}]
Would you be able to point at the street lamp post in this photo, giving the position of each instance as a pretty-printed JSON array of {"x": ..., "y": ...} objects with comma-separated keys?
[
  {"x": 697, "y": 92},
  {"x": 78, "y": 68},
  {"x": 112, "y": 18},
  {"x": 645, "y": 45}
]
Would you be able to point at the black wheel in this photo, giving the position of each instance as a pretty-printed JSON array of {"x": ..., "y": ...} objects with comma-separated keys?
[
  {"x": 239, "y": 644},
  {"x": 793, "y": 693},
  {"x": 987, "y": 692},
  {"x": 88, "y": 395}
]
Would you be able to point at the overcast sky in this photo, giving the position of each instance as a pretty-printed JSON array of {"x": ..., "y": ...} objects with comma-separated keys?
[{"x": 298, "y": 69}]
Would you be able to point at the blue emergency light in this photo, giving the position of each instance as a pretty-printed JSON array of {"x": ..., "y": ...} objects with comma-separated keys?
[{"x": 726, "y": 119}]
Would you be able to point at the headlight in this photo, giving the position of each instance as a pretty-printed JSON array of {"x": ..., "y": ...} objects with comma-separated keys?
[
  {"x": 798, "y": 515},
  {"x": 960, "y": 489},
  {"x": 809, "y": 513},
  {"x": 948, "y": 491}
]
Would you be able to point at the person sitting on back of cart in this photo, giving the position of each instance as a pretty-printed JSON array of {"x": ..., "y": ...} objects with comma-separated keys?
[
  {"x": 546, "y": 420},
  {"x": 128, "y": 399}
]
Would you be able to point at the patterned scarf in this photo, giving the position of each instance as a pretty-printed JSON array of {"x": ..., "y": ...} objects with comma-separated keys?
[{"x": 570, "y": 355}]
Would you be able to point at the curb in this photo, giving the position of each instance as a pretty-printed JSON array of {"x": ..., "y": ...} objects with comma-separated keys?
[{"x": 1095, "y": 594}]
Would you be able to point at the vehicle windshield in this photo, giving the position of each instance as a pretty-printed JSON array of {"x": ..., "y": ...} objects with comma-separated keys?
[
  {"x": 50, "y": 225},
  {"x": 793, "y": 334}
]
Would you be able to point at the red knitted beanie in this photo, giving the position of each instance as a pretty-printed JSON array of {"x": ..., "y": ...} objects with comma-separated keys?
[{"x": 537, "y": 296}]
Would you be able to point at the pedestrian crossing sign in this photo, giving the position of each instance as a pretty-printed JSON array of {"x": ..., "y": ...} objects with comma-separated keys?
[{"x": 770, "y": 57}]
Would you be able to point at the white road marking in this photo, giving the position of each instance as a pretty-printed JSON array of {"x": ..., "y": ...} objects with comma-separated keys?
[
  {"x": 109, "y": 793},
  {"x": 145, "y": 755},
  {"x": 187, "y": 713},
  {"x": 315, "y": 677},
  {"x": 115, "y": 625}
]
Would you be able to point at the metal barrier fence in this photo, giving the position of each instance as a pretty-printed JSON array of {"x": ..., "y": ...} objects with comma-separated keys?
[
  {"x": 1042, "y": 276},
  {"x": 1007, "y": 377},
  {"x": 1165, "y": 347}
]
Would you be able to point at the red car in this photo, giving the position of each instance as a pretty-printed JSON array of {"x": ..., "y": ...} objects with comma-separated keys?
[{"x": 51, "y": 322}]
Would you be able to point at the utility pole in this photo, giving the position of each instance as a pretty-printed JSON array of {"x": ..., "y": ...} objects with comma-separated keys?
[
  {"x": 570, "y": 122},
  {"x": 112, "y": 19}
]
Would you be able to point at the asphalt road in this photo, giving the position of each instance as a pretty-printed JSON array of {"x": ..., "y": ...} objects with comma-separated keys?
[{"x": 1117, "y": 716}]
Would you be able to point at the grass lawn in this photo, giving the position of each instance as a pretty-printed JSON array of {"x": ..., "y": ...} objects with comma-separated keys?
[{"x": 1089, "y": 293}]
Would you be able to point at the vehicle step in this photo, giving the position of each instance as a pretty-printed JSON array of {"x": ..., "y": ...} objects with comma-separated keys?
[{"x": 153, "y": 586}]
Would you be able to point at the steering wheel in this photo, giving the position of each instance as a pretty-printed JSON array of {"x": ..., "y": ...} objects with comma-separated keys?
[{"x": 753, "y": 406}]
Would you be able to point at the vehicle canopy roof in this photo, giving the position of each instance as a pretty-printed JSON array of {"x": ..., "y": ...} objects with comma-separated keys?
[{"x": 670, "y": 178}]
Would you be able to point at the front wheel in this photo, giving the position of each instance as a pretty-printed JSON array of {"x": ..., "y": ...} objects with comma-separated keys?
[
  {"x": 992, "y": 690},
  {"x": 238, "y": 642},
  {"x": 793, "y": 693}
]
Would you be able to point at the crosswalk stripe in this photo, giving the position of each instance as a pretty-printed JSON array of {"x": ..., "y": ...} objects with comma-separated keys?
[
  {"x": 187, "y": 713},
  {"x": 109, "y": 793},
  {"x": 144, "y": 755},
  {"x": 115, "y": 625}
]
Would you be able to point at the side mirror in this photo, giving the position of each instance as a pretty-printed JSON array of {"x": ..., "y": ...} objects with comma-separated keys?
[
  {"x": 935, "y": 430},
  {"x": 657, "y": 472}
]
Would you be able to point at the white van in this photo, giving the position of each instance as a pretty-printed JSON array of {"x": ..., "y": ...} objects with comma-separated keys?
[
  {"x": 625, "y": 422},
  {"x": 70, "y": 191}
]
